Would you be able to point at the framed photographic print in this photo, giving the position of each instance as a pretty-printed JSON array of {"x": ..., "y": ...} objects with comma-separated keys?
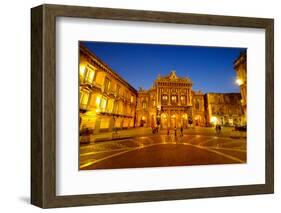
[{"x": 136, "y": 106}]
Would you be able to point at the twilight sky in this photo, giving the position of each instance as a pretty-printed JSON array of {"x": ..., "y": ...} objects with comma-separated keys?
[{"x": 210, "y": 68}]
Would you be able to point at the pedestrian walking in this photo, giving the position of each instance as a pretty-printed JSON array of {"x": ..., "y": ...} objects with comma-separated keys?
[
  {"x": 181, "y": 131},
  {"x": 219, "y": 129},
  {"x": 168, "y": 131},
  {"x": 153, "y": 129},
  {"x": 175, "y": 131}
]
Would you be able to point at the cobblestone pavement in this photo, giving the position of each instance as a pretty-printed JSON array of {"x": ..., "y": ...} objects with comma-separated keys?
[{"x": 162, "y": 150}]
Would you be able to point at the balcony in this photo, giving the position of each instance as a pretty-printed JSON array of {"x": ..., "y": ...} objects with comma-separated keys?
[
  {"x": 92, "y": 86},
  {"x": 110, "y": 93},
  {"x": 83, "y": 107}
]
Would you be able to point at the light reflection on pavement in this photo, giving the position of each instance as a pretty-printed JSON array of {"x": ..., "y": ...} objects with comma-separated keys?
[{"x": 138, "y": 150}]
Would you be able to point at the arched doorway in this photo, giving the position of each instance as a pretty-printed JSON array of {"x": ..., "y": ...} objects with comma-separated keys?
[
  {"x": 184, "y": 120},
  {"x": 143, "y": 121},
  {"x": 164, "y": 120},
  {"x": 197, "y": 120},
  {"x": 173, "y": 121},
  {"x": 152, "y": 121}
]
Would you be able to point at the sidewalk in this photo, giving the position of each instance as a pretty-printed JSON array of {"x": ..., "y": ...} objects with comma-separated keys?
[
  {"x": 143, "y": 131},
  {"x": 210, "y": 131},
  {"x": 121, "y": 134}
]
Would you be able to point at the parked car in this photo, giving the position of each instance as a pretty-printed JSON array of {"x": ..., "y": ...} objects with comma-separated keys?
[{"x": 240, "y": 128}]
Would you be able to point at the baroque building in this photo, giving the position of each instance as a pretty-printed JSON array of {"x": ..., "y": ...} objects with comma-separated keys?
[
  {"x": 224, "y": 108},
  {"x": 171, "y": 103},
  {"x": 240, "y": 65},
  {"x": 198, "y": 106},
  {"x": 173, "y": 100},
  {"x": 108, "y": 102}
]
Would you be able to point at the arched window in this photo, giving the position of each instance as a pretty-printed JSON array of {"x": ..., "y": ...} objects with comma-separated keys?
[
  {"x": 183, "y": 100},
  {"x": 144, "y": 105},
  {"x": 174, "y": 99},
  {"x": 164, "y": 99},
  {"x": 197, "y": 104}
]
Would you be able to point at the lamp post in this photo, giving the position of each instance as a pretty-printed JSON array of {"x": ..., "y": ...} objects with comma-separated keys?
[
  {"x": 239, "y": 82},
  {"x": 158, "y": 115}
]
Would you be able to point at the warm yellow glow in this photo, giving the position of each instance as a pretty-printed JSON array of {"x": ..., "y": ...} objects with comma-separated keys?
[
  {"x": 164, "y": 116},
  {"x": 173, "y": 116},
  {"x": 82, "y": 69},
  {"x": 214, "y": 119},
  {"x": 143, "y": 118},
  {"x": 90, "y": 113},
  {"x": 90, "y": 76},
  {"x": 84, "y": 98},
  {"x": 103, "y": 104},
  {"x": 98, "y": 101},
  {"x": 239, "y": 81},
  {"x": 184, "y": 116}
]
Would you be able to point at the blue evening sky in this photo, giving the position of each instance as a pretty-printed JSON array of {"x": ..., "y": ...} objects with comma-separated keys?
[{"x": 210, "y": 68}]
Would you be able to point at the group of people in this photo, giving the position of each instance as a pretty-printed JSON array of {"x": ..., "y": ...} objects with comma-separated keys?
[
  {"x": 175, "y": 131},
  {"x": 156, "y": 129}
]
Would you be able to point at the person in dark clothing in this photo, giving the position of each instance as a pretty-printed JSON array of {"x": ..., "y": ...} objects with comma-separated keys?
[{"x": 219, "y": 128}]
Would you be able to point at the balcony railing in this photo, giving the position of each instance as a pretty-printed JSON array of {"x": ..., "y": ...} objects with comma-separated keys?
[
  {"x": 83, "y": 106},
  {"x": 92, "y": 85}
]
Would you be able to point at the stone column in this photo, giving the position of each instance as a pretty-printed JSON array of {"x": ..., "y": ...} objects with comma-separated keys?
[
  {"x": 169, "y": 97},
  {"x": 187, "y": 97},
  {"x": 189, "y": 92}
]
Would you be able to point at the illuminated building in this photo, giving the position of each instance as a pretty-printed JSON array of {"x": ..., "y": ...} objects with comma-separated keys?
[
  {"x": 171, "y": 103},
  {"x": 199, "y": 112},
  {"x": 107, "y": 101},
  {"x": 167, "y": 104},
  {"x": 240, "y": 65},
  {"x": 146, "y": 108},
  {"x": 224, "y": 109}
]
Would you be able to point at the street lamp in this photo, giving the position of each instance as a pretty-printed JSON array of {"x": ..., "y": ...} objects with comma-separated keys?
[
  {"x": 214, "y": 120},
  {"x": 239, "y": 82},
  {"x": 158, "y": 115}
]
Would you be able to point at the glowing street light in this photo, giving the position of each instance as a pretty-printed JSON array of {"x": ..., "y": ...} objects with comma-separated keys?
[
  {"x": 214, "y": 120},
  {"x": 239, "y": 81}
]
